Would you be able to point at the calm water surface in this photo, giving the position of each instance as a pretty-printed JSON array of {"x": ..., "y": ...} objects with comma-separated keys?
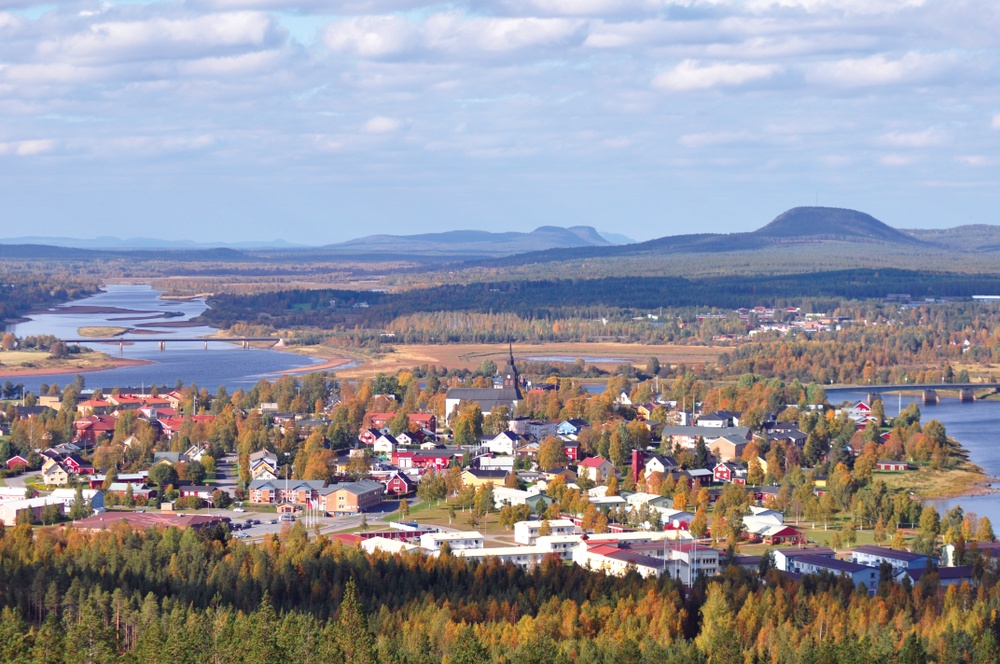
[
  {"x": 222, "y": 364},
  {"x": 975, "y": 425}
]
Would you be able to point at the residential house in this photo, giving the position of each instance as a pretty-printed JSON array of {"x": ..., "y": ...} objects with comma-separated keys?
[
  {"x": 369, "y": 436},
  {"x": 660, "y": 464},
  {"x": 385, "y": 444},
  {"x": 398, "y": 484},
  {"x": 477, "y": 477},
  {"x": 17, "y": 461},
  {"x": 53, "y": 474},
  {"x": 728, "y": 448},
  {"x": 496, "y": 463},
  {"x": 263, "y": 465},
  {"x": 720, "y": 419},
  {"x": 89, "y": 429},
  {"x": 687, "y": 436},
  {"x": 597, "y": 469},
  {"x": 505, "y": 443},
  {"x": 891, "y": 466},
  {"x": 571, "y": 427},
  {"x": 730, "y": 473},
  {"x": 571, "y": 449}
]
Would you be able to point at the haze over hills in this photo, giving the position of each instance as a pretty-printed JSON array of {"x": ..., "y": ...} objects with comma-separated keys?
[{"x": 472, "y": 242}]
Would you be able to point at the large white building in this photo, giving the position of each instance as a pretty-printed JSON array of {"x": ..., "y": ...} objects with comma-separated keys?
[
  {"x": 471, "y": 539},
  {"x": 526, "y": 532}
]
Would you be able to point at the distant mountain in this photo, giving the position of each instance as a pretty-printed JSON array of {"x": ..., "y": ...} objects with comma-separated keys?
[
  {"x": 468, "y": 243},
  {"x": 978, "y": 238},
  {"x": 821, "y": 223},
  {"x": 617, "y": 238},
  {"x": 51, "y": 252},
  {"x": 816, "y": 226},
  {"x": 116, "y": 243}
]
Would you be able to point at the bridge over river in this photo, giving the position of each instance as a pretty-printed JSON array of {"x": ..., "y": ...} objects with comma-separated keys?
[
  {"x": 245, "y": 341},
  {"x": 966, "y": 391}
]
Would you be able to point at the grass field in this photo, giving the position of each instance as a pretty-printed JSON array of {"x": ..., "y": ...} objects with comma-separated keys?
[
  {"x": 926, "y": 482},
  {"x": 37, "y": 362},
  {"x": 99, "y": 332},
  {"x": 469, "y": 356}
]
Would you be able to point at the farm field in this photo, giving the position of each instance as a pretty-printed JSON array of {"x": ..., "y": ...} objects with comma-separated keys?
[{"x": 469, "y": 356}]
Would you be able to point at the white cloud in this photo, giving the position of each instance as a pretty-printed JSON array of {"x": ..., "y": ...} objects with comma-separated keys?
[
  {"x": 27, "y": 148},
  {"x": 707, "y": 139},
  {"x": 451, "y": 33},
  {"x": 382, "y": 125},
  {"x": 976, "y": 160},
  {"x": 917, "y": 139},
  {"x": 881, "y": 69},
  {"x": 996, "y": 121},
  {"x": 896, "y": 160},
  {"x": 692, "y": 75},
  {"x": 161, "y": 38},
  {"x": 373, "y": 36}
]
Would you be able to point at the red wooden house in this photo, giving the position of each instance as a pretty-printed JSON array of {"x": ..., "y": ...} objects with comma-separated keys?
[
  {"x": 892, "y": 465},
  {"x": 89, "y": 429},
  {"x": 398, "y": 484},
  {"x": 17, "y": 461},
  {"x": 730, "y": 473}
]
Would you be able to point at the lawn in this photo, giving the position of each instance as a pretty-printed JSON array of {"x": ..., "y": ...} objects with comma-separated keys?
[{"x": 430, "y": 514}]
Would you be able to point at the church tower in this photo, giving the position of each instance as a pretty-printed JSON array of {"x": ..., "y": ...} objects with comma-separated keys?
[{"x": 511, "y": 381}]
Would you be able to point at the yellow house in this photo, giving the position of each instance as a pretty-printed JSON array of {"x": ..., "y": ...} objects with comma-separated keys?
[
  {"x": 54, "y": 474},
  {"x": 477, "y": 478}
]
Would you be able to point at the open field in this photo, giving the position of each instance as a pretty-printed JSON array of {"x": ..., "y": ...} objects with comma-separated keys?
[
  {"x": 469, "y": 356},
  {"x": 966, "y": 480},
  {"x": 37, "y": 363},
  {"x": 100, "y": 332}
]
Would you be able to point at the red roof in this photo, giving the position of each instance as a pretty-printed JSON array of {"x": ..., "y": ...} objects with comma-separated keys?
[{"x": 593, "y": 462}]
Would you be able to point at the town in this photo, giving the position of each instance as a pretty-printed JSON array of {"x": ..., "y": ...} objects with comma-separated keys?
[{"x": 635, "y": 482}]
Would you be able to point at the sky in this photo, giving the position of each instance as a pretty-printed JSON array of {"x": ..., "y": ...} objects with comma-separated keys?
[{"x": 318, "y": 121}]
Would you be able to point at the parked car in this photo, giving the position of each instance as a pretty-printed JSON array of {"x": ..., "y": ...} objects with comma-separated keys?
[{"x": 239, "y": 509}]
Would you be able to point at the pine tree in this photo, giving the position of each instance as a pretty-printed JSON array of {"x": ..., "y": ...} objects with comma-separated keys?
[{"x": 354, "y": 638}]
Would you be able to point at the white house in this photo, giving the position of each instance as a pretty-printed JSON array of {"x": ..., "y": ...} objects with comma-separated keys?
[
  {"x": 526, "y": 532},
  {"x": 504, "y": 443},
  {"x": 385, "y": 444}
]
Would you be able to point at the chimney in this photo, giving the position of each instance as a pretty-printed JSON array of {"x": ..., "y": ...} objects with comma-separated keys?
[{"x": 636, "y": 462}]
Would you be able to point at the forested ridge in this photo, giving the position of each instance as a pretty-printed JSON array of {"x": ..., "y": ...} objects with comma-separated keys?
[
  {"x": 178, "y": 597},
  {"x": 20, "y": 292}
]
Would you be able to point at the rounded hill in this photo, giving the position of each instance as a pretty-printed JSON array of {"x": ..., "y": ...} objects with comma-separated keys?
[{"x": 824, "y": 223}]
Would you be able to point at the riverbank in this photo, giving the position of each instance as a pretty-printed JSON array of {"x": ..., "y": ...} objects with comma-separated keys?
[{"x": 14, "y": 364}]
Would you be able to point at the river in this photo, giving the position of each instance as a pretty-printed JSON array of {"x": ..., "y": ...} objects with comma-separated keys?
[
  {"x": 975, "y": 425},
  {"x": 140, "y": 307}
]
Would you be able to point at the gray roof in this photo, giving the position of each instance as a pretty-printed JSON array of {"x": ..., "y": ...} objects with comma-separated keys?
[
  {"x": 293, "y": 485},
  {"x": 889, "y": 554},
  {"x": 708, "y": 433},
  {"x": 488, "y": 398},
  {"x": 832, "y": 564},
  {"x": 359, "y": 487}
]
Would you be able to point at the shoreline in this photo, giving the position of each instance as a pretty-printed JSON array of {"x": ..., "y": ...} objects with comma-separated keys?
[{"x": 104, "y": 365}]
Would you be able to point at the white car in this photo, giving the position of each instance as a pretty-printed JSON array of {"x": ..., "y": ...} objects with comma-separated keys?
[{"x": 239, "y": 509}]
